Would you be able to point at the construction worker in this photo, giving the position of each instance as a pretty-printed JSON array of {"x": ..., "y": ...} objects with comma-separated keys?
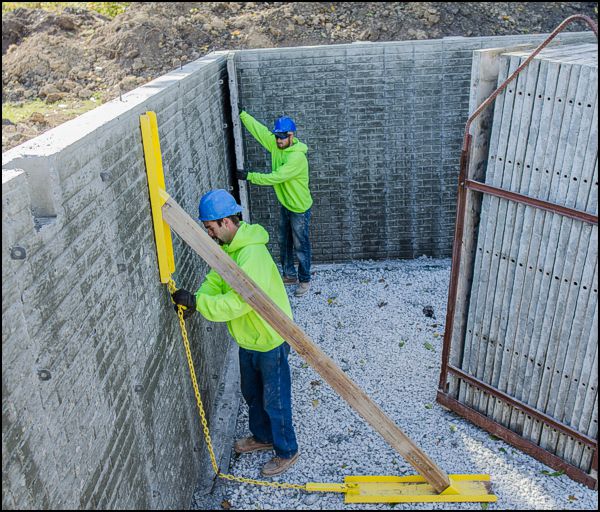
[
  {"x": 263, "y": 354},
  {"x": 289, "y": 178}
]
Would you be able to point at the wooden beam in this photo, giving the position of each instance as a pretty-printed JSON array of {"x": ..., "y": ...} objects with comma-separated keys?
[{"x": 216, "y": 258}]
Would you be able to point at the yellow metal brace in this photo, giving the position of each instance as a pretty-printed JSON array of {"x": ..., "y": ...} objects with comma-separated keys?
[
  {"x": 158, "y": 196},
  {"x": 409, "y": 489},
  {"x": 357, "y": 489}
]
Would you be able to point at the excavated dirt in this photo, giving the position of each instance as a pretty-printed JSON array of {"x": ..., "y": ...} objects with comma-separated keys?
[{"x": 75, "y": 55}]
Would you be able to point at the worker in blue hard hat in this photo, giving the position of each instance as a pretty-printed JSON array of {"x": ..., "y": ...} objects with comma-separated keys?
[
  {"x": 289, "y": 178},
  {"x": 263, "y": 354}
]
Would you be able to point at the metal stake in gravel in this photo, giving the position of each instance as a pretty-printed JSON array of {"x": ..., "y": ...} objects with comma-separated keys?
[{"x": 434, "y": 485}]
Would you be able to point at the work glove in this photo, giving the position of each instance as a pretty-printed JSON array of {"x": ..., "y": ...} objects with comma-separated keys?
[
  {"x": 184, "y": 298},
  {"x": 241, "y": 174}
]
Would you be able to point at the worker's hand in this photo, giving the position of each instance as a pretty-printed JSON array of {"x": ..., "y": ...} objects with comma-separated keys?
[
  {"x": 184, "y": 298},
  {"x": 241, "y": 174}
]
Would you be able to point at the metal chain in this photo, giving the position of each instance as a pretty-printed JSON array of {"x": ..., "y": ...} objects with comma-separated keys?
[{"x": 188, "y": 353}]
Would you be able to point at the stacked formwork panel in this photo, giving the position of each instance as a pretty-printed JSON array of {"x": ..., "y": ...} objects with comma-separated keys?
[{"x": 527, "y": 358}]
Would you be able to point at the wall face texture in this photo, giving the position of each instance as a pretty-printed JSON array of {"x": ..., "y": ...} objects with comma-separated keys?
[
  {"x": 384, "y": 125},
  {"x": 97, "y": 407}
]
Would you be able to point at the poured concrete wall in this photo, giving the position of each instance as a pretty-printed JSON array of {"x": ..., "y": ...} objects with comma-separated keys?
[
  {"x": 384, "y": 126},
  {"x": 97, "y": 407},
  {"x": 98, "y": 410}
]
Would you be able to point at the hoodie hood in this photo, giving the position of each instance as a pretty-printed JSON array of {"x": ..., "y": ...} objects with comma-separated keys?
[
  {"x": 247, "y": 234},
  {"x": 297, "y": 146}
]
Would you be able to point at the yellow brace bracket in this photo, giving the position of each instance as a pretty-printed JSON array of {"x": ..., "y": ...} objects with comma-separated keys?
[
  {"x": 158, "y": 196},
  {"x": 409, "y": 489}
]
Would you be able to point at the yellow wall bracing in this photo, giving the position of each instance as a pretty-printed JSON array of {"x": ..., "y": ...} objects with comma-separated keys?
[{"x": 156, "y": 185}]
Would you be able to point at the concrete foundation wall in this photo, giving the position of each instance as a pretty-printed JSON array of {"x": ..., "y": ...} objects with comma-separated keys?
[
  {"x": 97, "y": 407},
  {"x": 384, "y": 126}
]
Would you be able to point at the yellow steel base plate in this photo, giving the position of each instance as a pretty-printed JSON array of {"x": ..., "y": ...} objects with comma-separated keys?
[{"x": 414, "y": 489}]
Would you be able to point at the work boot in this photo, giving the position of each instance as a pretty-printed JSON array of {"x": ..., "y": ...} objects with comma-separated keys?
[
  {"x": 250, "y": 444},
  {"x": 290, "y": 280},
  {"x": 301, "y": 289},
  {"x": 278, "y": 465}
]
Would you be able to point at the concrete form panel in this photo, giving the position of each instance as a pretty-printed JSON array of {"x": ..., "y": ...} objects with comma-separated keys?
[{"x": 530, "y": 327}]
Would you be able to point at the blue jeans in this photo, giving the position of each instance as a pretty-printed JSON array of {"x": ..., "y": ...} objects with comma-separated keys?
[
  {"x": 267, "y": 389},
  {"x": 293, "y": 237}
]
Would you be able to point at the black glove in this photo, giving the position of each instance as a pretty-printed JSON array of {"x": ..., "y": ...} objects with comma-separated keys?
[
  {"x": 184, "y": 298},
  {"x": 241, "y": 174}
]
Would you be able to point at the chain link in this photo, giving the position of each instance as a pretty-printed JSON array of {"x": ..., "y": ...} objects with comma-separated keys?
[{"x": 213, "y": 459}]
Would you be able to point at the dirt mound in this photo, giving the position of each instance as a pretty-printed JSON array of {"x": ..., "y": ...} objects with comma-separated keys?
[{"x": 76, "y": 54}]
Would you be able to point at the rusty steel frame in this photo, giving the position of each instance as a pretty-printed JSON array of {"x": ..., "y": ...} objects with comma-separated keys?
[
  {"x": 518, "y": 441},
  {"x": 464, "y": 185},
  {"x": 530, "y": 201}
]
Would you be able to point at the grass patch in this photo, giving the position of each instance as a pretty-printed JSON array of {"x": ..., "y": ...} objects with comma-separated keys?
[
  {"x": 110, "y": 9},
  {"x": 18, "y": 112}
]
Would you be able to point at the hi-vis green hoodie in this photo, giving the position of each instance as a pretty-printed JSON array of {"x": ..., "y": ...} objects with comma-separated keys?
[
  {"x": 218, "y": 302},
  {"x": 289, "y": 175}
]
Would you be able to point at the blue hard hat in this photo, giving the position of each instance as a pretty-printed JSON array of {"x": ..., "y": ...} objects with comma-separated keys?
[
  {"x": 217, "y": 204},
  {"x": 284, "y": 125}
]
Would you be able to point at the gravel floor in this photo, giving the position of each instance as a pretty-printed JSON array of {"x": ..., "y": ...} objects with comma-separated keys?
[{"x": 368, "y": 317}]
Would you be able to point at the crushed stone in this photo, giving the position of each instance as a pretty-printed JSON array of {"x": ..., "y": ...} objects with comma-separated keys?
[{"x": 368, "y": 317}]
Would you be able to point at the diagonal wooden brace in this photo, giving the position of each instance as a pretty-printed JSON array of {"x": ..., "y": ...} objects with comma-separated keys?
[{"x": 189, "y": 230}]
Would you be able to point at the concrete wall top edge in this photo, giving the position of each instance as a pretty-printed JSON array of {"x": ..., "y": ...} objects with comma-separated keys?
[
  {"x": 420, "y": 42},
  {"x": 66, "y": 134},
  {"x": 9, "y": 174}
]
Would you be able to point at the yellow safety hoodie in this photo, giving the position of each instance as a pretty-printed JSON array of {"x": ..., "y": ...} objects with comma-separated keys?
[
  {"x": 218, "y": 302},
  {"x": 289, "y": 175}
]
